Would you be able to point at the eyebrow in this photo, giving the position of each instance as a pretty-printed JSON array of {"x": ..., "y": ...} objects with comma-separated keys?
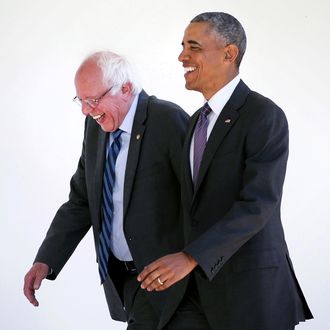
[{"x": 191, "y": 42}]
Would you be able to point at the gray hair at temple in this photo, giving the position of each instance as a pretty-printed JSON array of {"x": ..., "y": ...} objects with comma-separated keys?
[
  {"x": 228, "y": 28},
  {"x": 116, "y": 71}
]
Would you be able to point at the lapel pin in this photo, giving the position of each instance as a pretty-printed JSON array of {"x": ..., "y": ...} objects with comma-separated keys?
[
  {"x": 138, "y": 137},
  {"x": 227, "y": 121}
]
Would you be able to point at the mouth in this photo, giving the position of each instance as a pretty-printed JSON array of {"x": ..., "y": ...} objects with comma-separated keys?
[
  {"x": 189, "y": 69},
  {"x": 99, "y": 117}
]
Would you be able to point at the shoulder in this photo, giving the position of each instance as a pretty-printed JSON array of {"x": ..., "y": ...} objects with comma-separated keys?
[
  {"x": 165, "y": 108},
  {"x": 260, "y": 108},
  {"x": 265, "y": 124},
  {"x": 166, "y": 113}
]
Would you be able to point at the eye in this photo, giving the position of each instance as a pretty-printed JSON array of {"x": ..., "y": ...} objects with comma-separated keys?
[{"x": 195, "y": 48}]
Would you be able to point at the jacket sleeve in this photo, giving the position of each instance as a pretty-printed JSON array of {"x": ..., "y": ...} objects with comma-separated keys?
[
  {"x": 259, "y": 198},
  {"x": 70, "y": 224},
  {"x": 178, "y": 132}
]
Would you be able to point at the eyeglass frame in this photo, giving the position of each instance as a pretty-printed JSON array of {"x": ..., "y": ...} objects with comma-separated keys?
[{"x": 91, "y": 102}]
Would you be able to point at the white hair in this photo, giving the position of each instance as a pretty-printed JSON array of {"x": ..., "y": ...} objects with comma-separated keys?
[{"x": 116, "y": 71}]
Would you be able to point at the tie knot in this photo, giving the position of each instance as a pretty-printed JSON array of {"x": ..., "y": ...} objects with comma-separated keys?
[
  {"x": 206, "y": 109},
  {"x": 116, "y": 134}
]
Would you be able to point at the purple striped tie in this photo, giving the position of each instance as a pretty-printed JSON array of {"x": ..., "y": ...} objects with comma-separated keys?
[{"x": 200, "y": 138}]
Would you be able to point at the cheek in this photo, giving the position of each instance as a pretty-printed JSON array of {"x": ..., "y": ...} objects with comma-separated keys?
[
  {"x": 210, "y": 73},
  {"x": 109, "y": 124},
  {"x": 110, "y": 113}
]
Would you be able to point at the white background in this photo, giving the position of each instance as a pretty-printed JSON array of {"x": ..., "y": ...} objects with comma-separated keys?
[{"x": 42, "y": 44}]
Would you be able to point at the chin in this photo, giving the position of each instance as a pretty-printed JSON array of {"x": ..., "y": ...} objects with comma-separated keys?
[
  {"x": 191, "y": 87},
  {"x": 106, "y": 129}
]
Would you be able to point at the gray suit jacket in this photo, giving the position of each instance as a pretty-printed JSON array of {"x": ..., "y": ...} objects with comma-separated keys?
[{"x": 152, "y": 221}]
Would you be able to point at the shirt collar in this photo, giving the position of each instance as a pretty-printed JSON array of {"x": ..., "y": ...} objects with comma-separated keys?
[
  {"x": 127, "y": 123},
  {"x": 221, "y": 97}
]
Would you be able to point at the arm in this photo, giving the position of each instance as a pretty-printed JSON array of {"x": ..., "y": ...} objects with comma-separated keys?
[
  {"x": 258, "y": 198},
  {"x": 69, "y": 226},
  {"x": 266, "y": 150}
]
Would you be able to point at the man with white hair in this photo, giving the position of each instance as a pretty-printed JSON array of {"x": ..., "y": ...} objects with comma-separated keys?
[{"x": 126, "y": 188}]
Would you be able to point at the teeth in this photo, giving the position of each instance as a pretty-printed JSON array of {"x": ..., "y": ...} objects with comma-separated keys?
[
  {"x": 189, "y": 69},
  {"x": 97, "y": 117}
]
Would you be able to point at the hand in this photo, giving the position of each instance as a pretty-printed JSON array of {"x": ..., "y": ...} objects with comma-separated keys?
[
  {"x": 32, "y": 281},
  {"x": 165, "y": 271}
]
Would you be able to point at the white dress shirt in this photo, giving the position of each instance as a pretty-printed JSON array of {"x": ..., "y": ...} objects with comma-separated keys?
[
  {"x": 217, "y": 102},
  {"x": 118, "y": 242}
]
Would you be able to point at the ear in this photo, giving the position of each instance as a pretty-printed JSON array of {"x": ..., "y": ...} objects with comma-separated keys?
[
  {"x": 231, "y": 53},
  {"x": 126, "y": 88}
]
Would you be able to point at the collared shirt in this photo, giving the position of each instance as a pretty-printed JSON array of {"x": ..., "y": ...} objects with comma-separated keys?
[
  {"x": 118, "y": 243},
  {"x": 217, "y": 102}
]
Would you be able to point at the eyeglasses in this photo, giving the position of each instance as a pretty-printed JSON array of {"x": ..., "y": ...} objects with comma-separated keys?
[{"x": 91, "y": 102}]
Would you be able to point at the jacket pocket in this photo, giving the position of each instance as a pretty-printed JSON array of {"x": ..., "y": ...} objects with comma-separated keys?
[{"x": 258, "y": 260}]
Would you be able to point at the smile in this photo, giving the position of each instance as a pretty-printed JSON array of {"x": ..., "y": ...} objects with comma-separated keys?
[
  {"x": 98, "y": 117},
  {"x": 189, "y": 69}
]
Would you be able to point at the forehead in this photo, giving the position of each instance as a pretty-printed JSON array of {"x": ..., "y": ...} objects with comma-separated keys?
[
  {"x": 199, "y": 32},
  {"x": 88, "y": 79},
  {"x": 88, "y": 71}
]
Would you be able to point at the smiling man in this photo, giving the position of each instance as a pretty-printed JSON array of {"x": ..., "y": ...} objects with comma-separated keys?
[
  {"x": 234, "y": 271},
  {"x": 126, "y": 188}
]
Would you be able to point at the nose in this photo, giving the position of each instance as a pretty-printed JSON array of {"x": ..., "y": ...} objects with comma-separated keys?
[
  {"x": 183, "y": 56},
  {"x": 86, "y": 109}
]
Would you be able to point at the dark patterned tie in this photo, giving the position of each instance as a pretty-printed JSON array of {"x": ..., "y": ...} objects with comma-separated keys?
[
  {"x": 107, "y": 207},
  {"x": 200, "y": 139}
]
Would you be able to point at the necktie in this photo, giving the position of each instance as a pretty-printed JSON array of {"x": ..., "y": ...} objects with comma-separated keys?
[
  {"x": 200, "y": 138},
  {"x": 107, "y": 207}
]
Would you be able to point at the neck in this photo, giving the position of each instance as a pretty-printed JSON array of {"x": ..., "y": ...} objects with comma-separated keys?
[{"x": 209, "y": 93}]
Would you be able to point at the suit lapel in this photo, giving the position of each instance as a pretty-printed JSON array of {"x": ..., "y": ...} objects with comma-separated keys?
[
  {"x": 99, "y": 169},
  {"x": 134, "y": 147},
  {"x": 186, "y": 156},
  {"x": 222, "y": 127}
]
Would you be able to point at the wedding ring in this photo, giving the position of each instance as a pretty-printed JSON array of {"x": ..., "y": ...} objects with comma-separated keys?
[{"x": 159, "y": 281}]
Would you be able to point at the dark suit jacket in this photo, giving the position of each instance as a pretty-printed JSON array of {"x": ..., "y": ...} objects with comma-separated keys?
[
  {"x": 152, "y": 222},
  {"x": 233, "y": 228}
]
